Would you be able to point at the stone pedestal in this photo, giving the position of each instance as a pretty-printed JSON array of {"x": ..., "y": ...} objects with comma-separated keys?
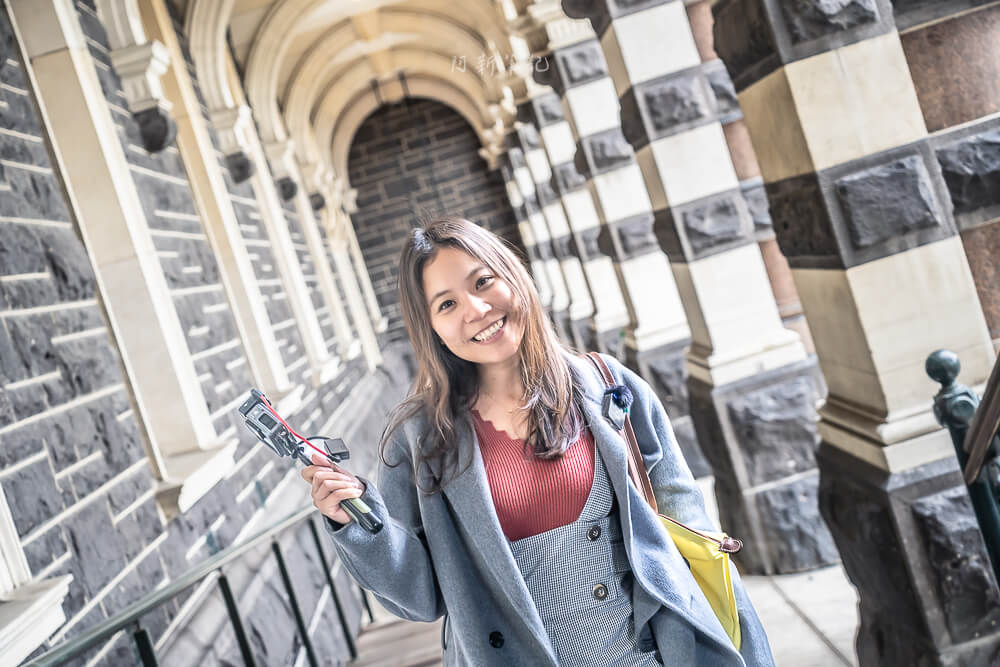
[
  {"x": 759, "y": 434},
  {"x": 911, "y": 545}
]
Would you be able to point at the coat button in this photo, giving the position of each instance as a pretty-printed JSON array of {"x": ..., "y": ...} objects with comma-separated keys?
[
  {"x": 496, "y": 639},
  {"x": 600, "y": 591},
  {"x": 594, "y": 533}
]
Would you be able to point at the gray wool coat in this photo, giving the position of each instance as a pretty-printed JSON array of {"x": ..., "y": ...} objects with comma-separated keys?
[{"x": 445, "y": 554}]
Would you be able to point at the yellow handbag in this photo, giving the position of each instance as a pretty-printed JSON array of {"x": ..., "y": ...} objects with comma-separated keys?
[{"x": 706, "y": 553}]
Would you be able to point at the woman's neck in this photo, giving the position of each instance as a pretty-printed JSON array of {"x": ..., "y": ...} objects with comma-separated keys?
[{"x": 502, "y": 381}]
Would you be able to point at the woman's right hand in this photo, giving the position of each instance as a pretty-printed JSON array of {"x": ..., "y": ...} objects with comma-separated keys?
[{"x": 331, "y": 485}]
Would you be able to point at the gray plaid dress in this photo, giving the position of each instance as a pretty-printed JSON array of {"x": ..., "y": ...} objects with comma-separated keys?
[{"x": 580, "y": 579}]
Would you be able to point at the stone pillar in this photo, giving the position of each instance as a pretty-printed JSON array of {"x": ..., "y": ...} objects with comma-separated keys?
[
  {"x": 862, "y": 212},
  {"x": 537, "y": 254},
  {"x": 380, "y": 321},
  {"x": 605, "y": 329},
  {"x": 954, "y": 60},
  {"x": 580, "y": 307},
  {"x": 573, "y": 65},
  {"x": 753, "y": 391},
  {"x": 544, "y": 248}
]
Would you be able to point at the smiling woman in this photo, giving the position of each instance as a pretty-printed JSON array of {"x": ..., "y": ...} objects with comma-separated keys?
[{"x": 507, "y": 496}]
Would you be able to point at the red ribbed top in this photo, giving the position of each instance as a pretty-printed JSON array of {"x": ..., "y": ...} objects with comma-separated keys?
[{"x": 533, "y": 495}]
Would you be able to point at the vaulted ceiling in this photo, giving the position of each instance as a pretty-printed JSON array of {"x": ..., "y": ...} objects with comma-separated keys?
[{"x": 314, "y": 69}]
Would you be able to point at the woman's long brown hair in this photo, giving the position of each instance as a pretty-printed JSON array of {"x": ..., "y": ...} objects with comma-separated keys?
[{"x": 446, "y": 386}]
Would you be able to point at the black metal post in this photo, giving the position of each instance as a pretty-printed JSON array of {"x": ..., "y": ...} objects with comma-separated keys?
[
  {"x": 954, "y": 407},
  {"x": 367, "y": 604},
  {"x": 299, "y": 620},
  {"x": 237, "y": 621},
  {"x": 144, "y": 645},
  {"x": 352, "y": 649}
]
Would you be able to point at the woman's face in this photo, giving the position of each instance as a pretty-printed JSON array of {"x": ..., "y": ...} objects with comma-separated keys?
[{"x": 469, "y": 308}]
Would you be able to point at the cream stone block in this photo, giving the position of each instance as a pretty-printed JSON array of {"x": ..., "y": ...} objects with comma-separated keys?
[
  {"x": 875, "y": 324},
  {"x": 655, "y": 302},
  {"x": 555, "y": 218},
  {"x": 621, "y": 193},
  {"x": 539, "y": 227},
  {"x": 580, "y": 210},
  {"x": 580, "y": 303},
  {"x": 559, "y": 143},
  {"x": 538, "y": 165},
  {"x": 646, "y": 160},
  {"x": 524, "y": 182},
  {"x": 775, "y": 128},
  {"x": 593, "y": 107},
  {"x": 648, "y": 44},
  {"x": 694, "y": 164},
  {"x": 560, "y": 294},
  {"x": 732, "y": 313},
  {"x": 610, "y": 309}
]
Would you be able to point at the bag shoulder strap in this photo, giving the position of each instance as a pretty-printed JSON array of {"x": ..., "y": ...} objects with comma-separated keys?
[{"x": 636, "y": 465}]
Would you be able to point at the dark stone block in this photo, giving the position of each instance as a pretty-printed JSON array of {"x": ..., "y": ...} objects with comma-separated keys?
[
  {"x": 99, "y": 559},
  {"x": 287, "y": 188},
  {"x": 43, "y": 550},
  {"x": 157, "y": 129},
  {"x": 887, "y": 201},
  {"x": 744, "y": 40},
  {"x": 714, "y": 223},
  {"x": 587, "y": 244},
  {"x": 68, "y": 264},
  {"x": 580, "y": 63},
  {"x": 966, "y": 586},
  {"x": 32, "y": 195},
  {"x": 794, "y": 530},
  {"x": 529, "y": 137},
  {"x": 562, "y": 247},
  {"x": 891, "y": 542},
  {"x": 548, "y": 109},
  {"x": 30, "y": 293},
  {"x": 811, "y": 19},
  {"x": 139, "y": 528},
  {"x": 628, "y": 238},
  {"x": 776, "y": 428},
  {"x": 726, "y": 102},
  {"x": 674, "y": 101},
  {"x": 33, "y": 496},
  {"x": 801, "y": 221},
  {"x": 566, "y": 178},
  {"x": 971, "y": 169},
  {"x": 602, "y": 152},
  {"x": 756, "y": 198},
  {"x": 240, "y": 166},
  {"x": 33, "y": 346}
]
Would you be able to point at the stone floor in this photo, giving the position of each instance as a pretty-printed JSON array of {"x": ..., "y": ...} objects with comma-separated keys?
[{"x": 810, "y": 618}]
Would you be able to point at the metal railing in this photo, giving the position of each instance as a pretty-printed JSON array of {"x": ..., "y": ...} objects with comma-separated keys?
[
  {"x": 973, "y": 425},
  {"x": 131, "y": 617}
]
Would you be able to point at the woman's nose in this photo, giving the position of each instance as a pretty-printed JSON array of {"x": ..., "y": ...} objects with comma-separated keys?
[{"x": 477, "y": 308}]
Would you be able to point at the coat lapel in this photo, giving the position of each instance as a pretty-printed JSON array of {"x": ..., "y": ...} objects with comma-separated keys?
[
  {"x": 469, "y": 496},
  {"x": 639, "y": 525}
]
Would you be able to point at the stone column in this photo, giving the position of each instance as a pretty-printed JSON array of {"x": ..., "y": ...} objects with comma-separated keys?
[
  {"x": 862, "y": 212},
  {"x": 572, "y": 64},
  {"x": 605, "y": 329},
  {"x": 753, "y": 391},
  {"x": 954, "y": 60},
  {"x": 380, "y": 321},
  {"x": 544, "y": 248},
  {"x": 537, "y": 256}
]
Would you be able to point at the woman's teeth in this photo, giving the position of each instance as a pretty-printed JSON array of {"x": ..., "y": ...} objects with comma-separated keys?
[{"x": 484, "y": 335}]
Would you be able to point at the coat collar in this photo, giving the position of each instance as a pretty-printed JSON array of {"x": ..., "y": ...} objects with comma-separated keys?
[{"x": 469, "y": 496}]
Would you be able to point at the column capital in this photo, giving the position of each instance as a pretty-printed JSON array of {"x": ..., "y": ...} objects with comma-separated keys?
[
  {"x": 281, "y": 157},
  {"x": 140, "y": 67},
  {"x": 233, "y": 125}
]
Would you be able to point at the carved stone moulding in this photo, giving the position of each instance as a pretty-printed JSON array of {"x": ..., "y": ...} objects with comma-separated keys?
[
  {"x": 601, "y": 152},
  {"x": 970, "y": 164},
  {"x": 862, "y": 210},
  {"x": 911, "y": 545},
  {"x": 626, "y": 239}
]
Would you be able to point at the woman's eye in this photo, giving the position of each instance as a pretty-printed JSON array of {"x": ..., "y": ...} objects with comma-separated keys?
[
  {"x": 484, "y": 280},
  {"x": 444, "y": 304}
]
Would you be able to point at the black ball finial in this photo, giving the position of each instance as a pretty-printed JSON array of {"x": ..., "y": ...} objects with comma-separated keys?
[{"x": 943, "y": 366}]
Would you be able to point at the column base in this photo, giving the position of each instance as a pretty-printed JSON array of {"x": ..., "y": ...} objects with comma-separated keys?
[
  {"x": 759, "y": 435},
  {"x": 912, "y": 546},
  {"x": 560, "y": 320},
  {"x": 665, "y": 370}
]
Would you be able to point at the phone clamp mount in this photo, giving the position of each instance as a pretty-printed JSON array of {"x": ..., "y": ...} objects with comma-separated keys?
[{"x": 272, "y": 430}]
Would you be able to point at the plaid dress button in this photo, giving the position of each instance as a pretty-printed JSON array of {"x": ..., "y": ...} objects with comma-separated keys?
[
  {"x": 594, "y": 533},
  {"x": 600, "y": 591}
]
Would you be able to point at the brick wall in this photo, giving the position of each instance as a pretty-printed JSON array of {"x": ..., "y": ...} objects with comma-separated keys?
[
  {"x": 73, "y": 466},
  {"x": 418, "y": 160}
]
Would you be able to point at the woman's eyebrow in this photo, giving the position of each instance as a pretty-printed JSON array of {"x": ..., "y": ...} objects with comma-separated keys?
[{"x": 445, "y": 291}]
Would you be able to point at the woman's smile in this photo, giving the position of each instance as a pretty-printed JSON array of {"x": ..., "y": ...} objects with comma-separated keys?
[{"x": 491, "y": 333}]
